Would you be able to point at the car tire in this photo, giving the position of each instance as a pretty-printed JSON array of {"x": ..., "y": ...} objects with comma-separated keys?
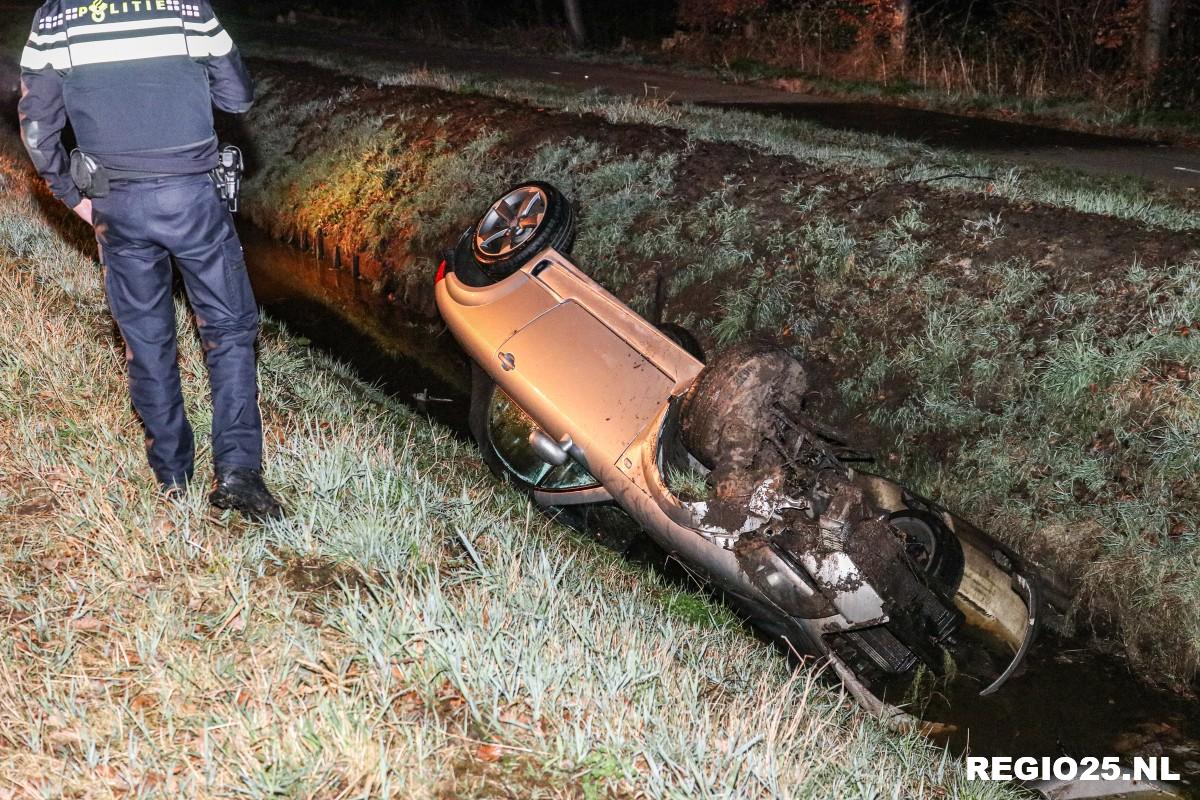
[
  {"x": 485, "y": 254},
  {"x": 731, "y": 401},
  {"x": 931, "y": 546}
]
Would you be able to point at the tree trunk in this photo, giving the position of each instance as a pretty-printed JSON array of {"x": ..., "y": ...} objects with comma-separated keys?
[
  {"x": 1154, "y": 38},
  {"x": 539, "y": 7},
  {"x": 901, "y": 18},
  {"x": 575, "y": 22}
]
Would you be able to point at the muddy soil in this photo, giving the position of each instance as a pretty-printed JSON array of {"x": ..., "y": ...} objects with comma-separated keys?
[{"x": 340, "y": 315}]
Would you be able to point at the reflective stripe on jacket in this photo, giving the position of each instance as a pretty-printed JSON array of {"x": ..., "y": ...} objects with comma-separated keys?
[{"x": 137, "y": 79}]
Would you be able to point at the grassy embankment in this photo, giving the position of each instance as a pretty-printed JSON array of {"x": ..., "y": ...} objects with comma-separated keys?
[
  {"x": 411, "y": 630},
  {"x": 1019, "y": 346},
  {"x": 890, "y": 159}
]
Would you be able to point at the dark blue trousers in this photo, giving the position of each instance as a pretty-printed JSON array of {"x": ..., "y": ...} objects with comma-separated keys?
[{"x": 140, "y": 225}]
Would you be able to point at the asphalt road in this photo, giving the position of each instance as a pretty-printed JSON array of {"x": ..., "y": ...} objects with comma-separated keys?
[{"x": 1173, "y": 166}]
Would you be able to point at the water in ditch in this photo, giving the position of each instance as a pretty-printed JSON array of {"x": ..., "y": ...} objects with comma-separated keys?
[
  {"x": 1068, "y": 700},
  {"x": 342, "y": 316}
]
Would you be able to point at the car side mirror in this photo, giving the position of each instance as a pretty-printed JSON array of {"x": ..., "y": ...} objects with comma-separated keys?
[
  {"x": 556, "y": 453},
  {"x": 547, "y": 449}
]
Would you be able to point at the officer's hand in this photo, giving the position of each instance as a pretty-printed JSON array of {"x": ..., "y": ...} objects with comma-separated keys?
[{"x": 84, "y": 210}]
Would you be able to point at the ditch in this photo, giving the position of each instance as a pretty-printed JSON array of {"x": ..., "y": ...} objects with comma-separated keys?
[{"x": 1068, "y": 699}]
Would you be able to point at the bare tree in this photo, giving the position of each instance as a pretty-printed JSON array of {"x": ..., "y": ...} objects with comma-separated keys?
[
  {"x": 575, "y": 22},
  {"x": 901, "y": 19},
  {"x": 1154, "y": 37}
]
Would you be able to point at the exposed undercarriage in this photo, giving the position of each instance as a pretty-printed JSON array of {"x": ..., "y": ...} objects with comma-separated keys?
[{"x": 896, "y": 586}]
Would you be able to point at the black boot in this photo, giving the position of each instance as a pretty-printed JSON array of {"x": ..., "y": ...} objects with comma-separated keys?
[
  {"x": 174, "y": 488},
  {"x": 243, "y": 489}
]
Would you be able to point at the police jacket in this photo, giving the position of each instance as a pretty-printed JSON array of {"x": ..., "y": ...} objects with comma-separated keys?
[{"x": 137, "y": 79}]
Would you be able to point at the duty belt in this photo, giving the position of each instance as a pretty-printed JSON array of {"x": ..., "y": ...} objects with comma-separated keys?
[{"x": 93, "y": 179}]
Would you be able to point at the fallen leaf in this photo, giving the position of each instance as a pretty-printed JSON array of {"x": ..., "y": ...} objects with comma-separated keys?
[
  {"x": 143, "y": 701},
  {"x": 488, "y": 753},
  {"x": 87, "y": 623}
]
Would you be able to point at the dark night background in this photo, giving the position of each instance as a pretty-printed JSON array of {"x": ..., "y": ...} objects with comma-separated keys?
[{"x": 1145, "y": 52}]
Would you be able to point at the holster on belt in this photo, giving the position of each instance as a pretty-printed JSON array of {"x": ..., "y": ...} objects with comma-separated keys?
[
  {"x": 228, "y": 175},
  {"x": 89, "y": 176}
]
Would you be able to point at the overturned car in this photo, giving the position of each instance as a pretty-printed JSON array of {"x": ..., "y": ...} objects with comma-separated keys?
[{"x": 579, "y": 400}]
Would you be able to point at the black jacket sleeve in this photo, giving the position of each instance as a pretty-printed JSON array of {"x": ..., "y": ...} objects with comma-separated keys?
[
  {"x": 43, "y": 113},
  {"x": 210, "y": 44}
]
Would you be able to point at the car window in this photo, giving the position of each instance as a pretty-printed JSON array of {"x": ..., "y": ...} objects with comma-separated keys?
[
  {"x": 509, "y": 428},
  {"x": 568, "y": 476}
]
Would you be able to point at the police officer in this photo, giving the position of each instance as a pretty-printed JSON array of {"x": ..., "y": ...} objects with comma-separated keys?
[{"x": 137, "y": 80}]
